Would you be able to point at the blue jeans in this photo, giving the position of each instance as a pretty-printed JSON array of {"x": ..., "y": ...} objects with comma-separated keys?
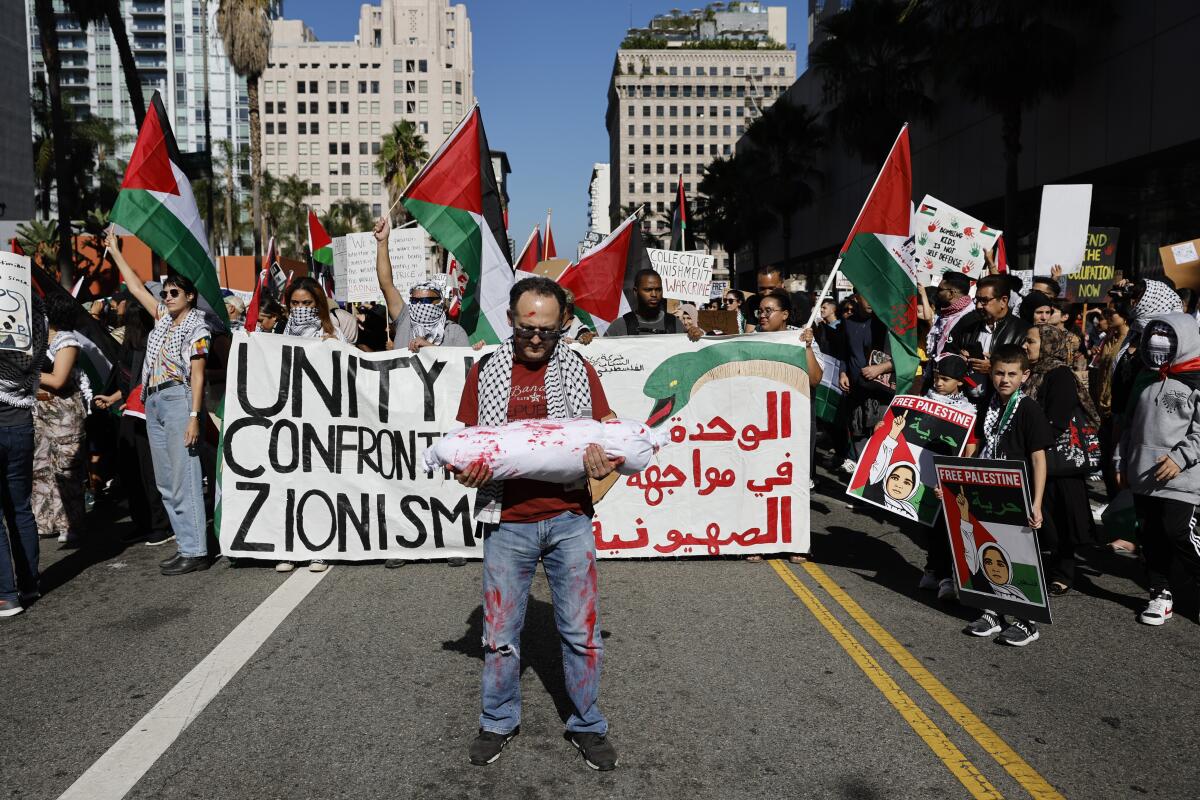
[
  {"x": 510, "y": 554},
  {"x": 177, "y": 469},
  {"x": 19, "y": 549}
]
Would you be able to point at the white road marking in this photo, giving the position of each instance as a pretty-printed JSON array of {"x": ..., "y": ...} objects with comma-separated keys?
[{"x": 119, "y": 769}]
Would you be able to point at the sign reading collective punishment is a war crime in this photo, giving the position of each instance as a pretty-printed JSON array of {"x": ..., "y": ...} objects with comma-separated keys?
[
  {"x": 949, "y": 241},
  {"x": 997, "y": 560},
  {"x": 685, "y": 276},
  {"x": 321, "y": 450},
  {"x": 354, "y": 274}
]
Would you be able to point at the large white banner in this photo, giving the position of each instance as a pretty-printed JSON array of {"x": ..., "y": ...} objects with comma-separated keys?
[
  {"x": 354, "y": 275},
  {"x": 321, "y": 450},
  {"x": 685, "y": 276}
]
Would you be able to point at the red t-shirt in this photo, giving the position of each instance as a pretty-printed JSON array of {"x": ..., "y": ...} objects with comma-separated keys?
[{"x": 526, "y": 500}]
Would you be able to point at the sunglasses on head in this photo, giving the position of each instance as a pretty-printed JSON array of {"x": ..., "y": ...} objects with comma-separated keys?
[
  {"x": 172, "y": 293},
  {"x": 529, "y": 333}
]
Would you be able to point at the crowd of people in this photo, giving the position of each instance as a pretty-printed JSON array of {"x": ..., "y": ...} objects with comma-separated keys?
[{"x": 1029, "y": 367}]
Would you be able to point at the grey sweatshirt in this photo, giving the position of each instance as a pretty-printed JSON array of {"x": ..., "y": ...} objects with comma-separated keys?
[{"x": 1165, "y": 419}]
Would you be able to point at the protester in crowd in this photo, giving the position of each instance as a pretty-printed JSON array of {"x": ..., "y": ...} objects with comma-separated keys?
[
  {"x": 270, "y": 315},
  {"x": 732, "y": 301},
  {"x": 1103, "y": 380},
  {"x": 422, "y": 321},
  {"x": 532, "y": 377},
  {"x": 1053, "y": 385},
  {"x": 976, "y": 335},
  {"x": 308, "y": 311},
  {"x": 60, "y": 454},
  {"x": 372, "y": 329},
  {"x": 236, "y": 310},
  {"x": 574, "y": 330},
  {"x": 862, "y": 345},
  {"x": 173, "y": 382},
  {"x": 952, "y": 304},
  {"x": 20, "y": 374},
  {"x": 118, "y": 306},
  {"x": 1012, "y": 426},
  {"x": 1039, "y": 308},
  {"x": 1159, "y": 453},
  {"x": 649, "y": 316},
  {"x": 948, "y": 375},
  {"x": 1048, "y": 286},
  {"x": 829, "y": 312},
  {"x": 345, "y": 322},
  {"x": 134, "y": 459}
]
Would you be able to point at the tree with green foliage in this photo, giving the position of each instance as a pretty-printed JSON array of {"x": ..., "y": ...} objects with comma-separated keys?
[{"x": 401, "y": 154}]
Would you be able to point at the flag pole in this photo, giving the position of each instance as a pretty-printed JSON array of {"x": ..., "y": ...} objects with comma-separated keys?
[{"x": 816, "y": 309}]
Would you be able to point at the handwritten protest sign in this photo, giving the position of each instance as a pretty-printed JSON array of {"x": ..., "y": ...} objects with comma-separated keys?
[
  {"x": 685, "y": 276},
  {"x": 354, "y": 273},
  {"x": 895, "y": 471},
  {"x": 949, "y": 240},
  {"x": 16, "y": 310},
  {"x": 997, "y": 560},
  {"x": 321, "y": 450},
  {"x": 1062, "y": 228},
  {"x": 1099, "y": 270}
]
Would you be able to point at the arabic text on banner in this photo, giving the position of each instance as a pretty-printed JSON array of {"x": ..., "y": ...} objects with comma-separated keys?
[{"x": 321, "y": 450}]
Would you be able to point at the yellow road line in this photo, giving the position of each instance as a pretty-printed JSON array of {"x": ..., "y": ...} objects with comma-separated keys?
[
  {"x": 930, "y": 733},
  {"x": 1029, "y": 778}
]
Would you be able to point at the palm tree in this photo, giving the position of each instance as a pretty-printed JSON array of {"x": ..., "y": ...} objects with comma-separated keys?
[
  {"x": 60, "y": 131},
  {"x": 789, "y": 139},
  {"x": 224, "y": 164},
  {"x": 293, "y": 193},
  {"x": 245, "y": 28},
  {"x": 400, "y": 156},
  {"x": 874, "y": 64},
  {"x": 1010, "y": 56},
  {"x": 347, "y": 216},
  {"x": 93, "y": 11},
  {"x": 94, "y": 174}
]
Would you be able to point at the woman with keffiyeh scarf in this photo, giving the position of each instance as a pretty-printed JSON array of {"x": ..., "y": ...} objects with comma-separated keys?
[
  {"x": 173, "y": 390},
  {"x": 1053, "y": 384}
]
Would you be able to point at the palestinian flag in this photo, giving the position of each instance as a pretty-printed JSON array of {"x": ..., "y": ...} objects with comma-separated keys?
[
  {"x": 548, "y": 250},
  {"x": 97, "y": 348},
  {"x": 530, "y": 253},
  {"x": 879, "y": 258},
  {"x": 1001, "y": 255},
  {"x": 827, "y": 395},
  {"x": 602, "y": 277},
  {"x": 15, "y": 246},
  {"x": 260, "y": 289},
  {"x": 679, "y": 220},
  {"x": 319, "y": 243},
  {"x": 456, "y": 199},
  {"x": 156, "y": 205}
]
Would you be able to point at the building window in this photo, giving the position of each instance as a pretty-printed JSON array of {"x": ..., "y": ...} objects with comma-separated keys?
[
  {"x": 397, "y": 106},
  {"x": 362, "y": 107},
  {"x": 333, "y": 148},
  {"x": 314, "y": 127},
  {"x": 375, "y": 129},
  {"x": 458, "y": 87},
  {"x": 631, "y": 170},
  {"x": 374, "y": 87},
  {"x": 646, "y": 188},
  {"x": 345, "y": 167},
  {"x": 282, "y": 128},
  {"x": 344, "y": 87},
  {"x": 345, "y": 148},
  {"x": 269, "y": 148},
  {"x": 397, "y": 65},
  {"x": 270, "y": 126},
  {"x": 658, "y": 169},
  {"x": 422, "y": 87},
  {"x": 364, "y": 189},
  {"x": 447, "y": 107},
  {"x": 302, "y": 128},
  {"x": 446, "y": 86},
  {"x": 268, "y": 87},
  {"x": 302, "y": 148},
  {"x": 364, "y": 168},
  {"x": 362, "y": 148},
  {"x": 362, "y": 87},
  {"x": 411, "y": 106},
  {"x": 631, "y": 189},
  {"x": 375, "y": 146},
  {"x": 646, "y": 168},
  {"x": 345, "y": 106},
  {"x": 423, "y": 66},
  {"x": 687, "y": 130},
  {"x": 658, "y": 130},
  {"x": 331, "y": 87},
  {"x": 332, "y": 107},
  {"x": 333, "y": 189},
  {"x": 303, "y": 169},
  {"x": 301, "y": 87}
]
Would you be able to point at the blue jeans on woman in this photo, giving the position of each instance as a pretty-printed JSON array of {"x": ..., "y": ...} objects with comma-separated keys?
[
  {"x": 19, "y": 550},
  {"x": 567, "y": 549},
  {"x": 177, "y": 469}
]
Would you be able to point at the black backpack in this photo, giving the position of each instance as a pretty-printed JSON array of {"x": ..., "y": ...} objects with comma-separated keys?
[{"x": 670, "y": 324}]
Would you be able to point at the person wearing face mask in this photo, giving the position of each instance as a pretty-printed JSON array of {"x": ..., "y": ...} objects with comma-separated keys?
[
  {"x": 308, "y": 311},
  {"x": 1159, "y": 454},
  {"x": 173, "y": 390},
  {"x": 421, "y": 321}
]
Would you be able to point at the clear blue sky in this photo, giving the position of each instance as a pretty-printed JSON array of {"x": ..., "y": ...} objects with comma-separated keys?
[{"x": 542, "y": 69}]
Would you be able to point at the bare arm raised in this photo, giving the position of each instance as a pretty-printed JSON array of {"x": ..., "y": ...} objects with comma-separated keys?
[
  {"x": 132, "y": 281},
  {"x": 383, "y": 269}
]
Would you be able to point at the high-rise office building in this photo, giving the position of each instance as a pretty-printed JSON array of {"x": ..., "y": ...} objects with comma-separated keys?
[
  {"x": 327, "y": 105},
  {"x": 682, "y": 92},
  {"x": 165, "y": 36},
  {"x": 16, "y": 179}
]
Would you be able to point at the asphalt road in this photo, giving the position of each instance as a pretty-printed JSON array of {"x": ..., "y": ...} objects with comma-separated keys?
[{"x": 723, "y": 679}]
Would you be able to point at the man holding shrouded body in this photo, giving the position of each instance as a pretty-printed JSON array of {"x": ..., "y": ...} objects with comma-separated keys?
[{"x": 534, "y": 377}]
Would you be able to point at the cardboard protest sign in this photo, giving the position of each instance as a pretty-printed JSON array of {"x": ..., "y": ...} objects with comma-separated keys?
[
  {"x": 949, "y": 240},
  {"x": 321, "y": 450},
  {"x": 16, "y": 308},
  {"x": 1063, "y": 228},
  {"x": 1181, "y": 263},
  {"x": 718, "y": 321},
  {"x": 1098, "y": 272},
  {"x": 997, "y": 559},
  {"x": 895, "y": 471},
  {"x": 354, "y": 275},
  {"x": 685, "y": 276}
]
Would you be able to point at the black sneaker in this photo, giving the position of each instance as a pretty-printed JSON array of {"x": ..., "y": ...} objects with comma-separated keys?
[
  {"x": 986, "y": 625},
  {"x": 394, "y": 563},
  {"x": 456, "y": 562},
  {"x": 487, "y": 746},
  {"x": 598, "y": 752},
  {"x": 10, "y": 608},
  {"x": 1019, "y": 633}
]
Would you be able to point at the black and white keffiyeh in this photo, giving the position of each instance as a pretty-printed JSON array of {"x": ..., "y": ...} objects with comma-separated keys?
[
  {"x": 174, "y": 342},
  {"x": 62, "y": 340},
  {"x": 568, "y": 396},
  {"x": 305, "y": 323},
  {"x": 20, "y": 372},
  {"x": 428, "y": 321},
  {"x": 999, "y": 416}
]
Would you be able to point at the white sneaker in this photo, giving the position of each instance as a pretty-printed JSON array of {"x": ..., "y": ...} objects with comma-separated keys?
[
  {"x": 928, "y": 581},
  {"x": 285, "y": 566},
  {"x": 1158, "y": 610},
  {"x": 946, "y": 589},
  {"x": 318, "y": 566}
]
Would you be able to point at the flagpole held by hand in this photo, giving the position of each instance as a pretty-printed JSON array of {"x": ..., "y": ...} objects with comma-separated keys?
[{"x": 816, "y": 309}]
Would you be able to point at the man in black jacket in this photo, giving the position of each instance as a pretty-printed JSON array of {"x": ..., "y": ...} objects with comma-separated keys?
[{"x": 993, "y": 324}]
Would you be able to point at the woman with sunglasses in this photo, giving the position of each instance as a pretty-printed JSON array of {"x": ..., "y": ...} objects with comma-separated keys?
[
  {"x": 732, "y": 301},
  {"x": 173, "y": 380},
  {"x": 421, "y": 321}
]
